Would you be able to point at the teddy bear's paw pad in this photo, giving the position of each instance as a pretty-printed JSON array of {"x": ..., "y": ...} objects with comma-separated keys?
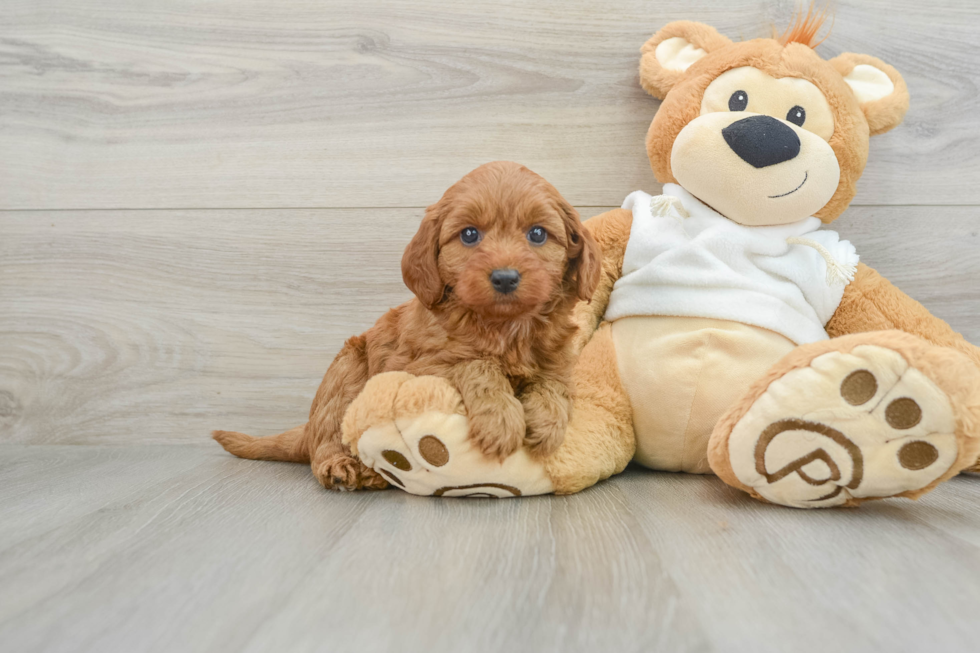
[
  {"x": 426, "y": 450},
  {"x": 850, "y": 426}
]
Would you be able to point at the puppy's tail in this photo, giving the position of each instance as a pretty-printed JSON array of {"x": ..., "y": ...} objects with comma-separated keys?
[{"x": 290, "y": 446}]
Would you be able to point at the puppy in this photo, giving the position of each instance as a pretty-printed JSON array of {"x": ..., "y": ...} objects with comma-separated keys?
[{"x": 497, "y": 266}]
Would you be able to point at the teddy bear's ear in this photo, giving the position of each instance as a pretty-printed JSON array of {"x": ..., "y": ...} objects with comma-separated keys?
[
  {"x": 880, "y": 90},
  {"x": 672, "y": 50}
]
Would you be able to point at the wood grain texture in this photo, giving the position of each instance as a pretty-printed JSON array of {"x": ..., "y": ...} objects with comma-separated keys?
[
  {"x": 146, "y": 549},
  {"x": 199, "y": 293},
  {"x": 768, "y": 578},
  {"x": 252, "y": 103},
  {"x": 158, "y": 326}
]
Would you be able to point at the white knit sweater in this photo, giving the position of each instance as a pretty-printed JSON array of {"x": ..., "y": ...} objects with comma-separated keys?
[{"x": 684, "y": 259}]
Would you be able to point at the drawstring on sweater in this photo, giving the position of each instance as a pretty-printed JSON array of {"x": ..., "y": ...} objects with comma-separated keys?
[
  {"x": 837, "y": 273},
  {"x": 662, "y": 205}
]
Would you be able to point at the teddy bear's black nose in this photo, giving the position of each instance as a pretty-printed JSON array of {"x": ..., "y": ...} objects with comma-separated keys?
[{"x": 762, "y": 141}]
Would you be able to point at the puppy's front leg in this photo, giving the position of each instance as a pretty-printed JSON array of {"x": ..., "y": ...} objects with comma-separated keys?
[
  {"x": 496, "y": 417},
  {"x": 547, "y": 409}
]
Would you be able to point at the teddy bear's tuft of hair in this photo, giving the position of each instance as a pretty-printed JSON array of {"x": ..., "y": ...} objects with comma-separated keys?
[{"x": 805, "y": 27}]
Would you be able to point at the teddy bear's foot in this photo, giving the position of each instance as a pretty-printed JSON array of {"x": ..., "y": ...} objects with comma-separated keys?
[
  {"x": 863, "y": 417},
  {"x": 413, "y": 431}
]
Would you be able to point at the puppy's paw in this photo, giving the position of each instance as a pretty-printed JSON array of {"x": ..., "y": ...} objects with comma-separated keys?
[
  {"x": 545, "y": 438},
  {"x": 497, "y": 427},
  {"x": 546, "y": 419},
  {"x": 346, "y": 473}
]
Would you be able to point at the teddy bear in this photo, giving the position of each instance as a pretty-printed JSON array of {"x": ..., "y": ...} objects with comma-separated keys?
[{"x": 732, "y": 332}]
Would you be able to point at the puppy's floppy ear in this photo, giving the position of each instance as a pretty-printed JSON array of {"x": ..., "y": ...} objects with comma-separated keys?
[
  {"x": 584, "y": 255},
  {"x": 879, "y": 89},
  {"x": 672, "y": 50},
  {"x": 420, "y": 262}
]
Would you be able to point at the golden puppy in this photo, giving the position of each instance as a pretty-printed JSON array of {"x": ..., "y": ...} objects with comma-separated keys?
[{"x": 496, "y": 267}]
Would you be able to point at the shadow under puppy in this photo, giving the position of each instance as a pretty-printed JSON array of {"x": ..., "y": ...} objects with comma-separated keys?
[{"x": 497, "y": 267}]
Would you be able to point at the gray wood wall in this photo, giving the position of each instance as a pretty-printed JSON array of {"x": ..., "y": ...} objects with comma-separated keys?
[{"x": 199, "y": 200}]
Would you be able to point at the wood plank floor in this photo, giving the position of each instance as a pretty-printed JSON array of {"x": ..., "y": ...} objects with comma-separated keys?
[
  {"x": 187, "y": 549},
  {"x": 199, "y": 200}
]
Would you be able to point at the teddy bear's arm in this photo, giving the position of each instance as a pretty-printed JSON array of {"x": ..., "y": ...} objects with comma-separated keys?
[
  {"x": 599, "y": 441},
  {"x": 611, "y": 231},
  {"x": 872, "y": 303}
]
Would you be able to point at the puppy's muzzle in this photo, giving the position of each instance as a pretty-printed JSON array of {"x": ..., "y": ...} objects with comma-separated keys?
[{"x": 505, "y": 281}]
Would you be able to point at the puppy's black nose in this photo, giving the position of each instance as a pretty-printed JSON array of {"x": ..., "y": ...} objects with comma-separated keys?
[
  {"x": 762, "y": 141},
  {"x": 505, "y": 281}
]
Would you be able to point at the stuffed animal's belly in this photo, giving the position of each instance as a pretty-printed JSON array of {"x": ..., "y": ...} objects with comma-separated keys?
[{"x": 681, "y": 375}]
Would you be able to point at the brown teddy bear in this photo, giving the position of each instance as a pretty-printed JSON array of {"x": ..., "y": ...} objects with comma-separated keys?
[{"x": 731, "y": 333}]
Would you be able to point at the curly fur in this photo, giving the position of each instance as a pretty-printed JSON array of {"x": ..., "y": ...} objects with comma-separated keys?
[{"x": 509, "y": 355}]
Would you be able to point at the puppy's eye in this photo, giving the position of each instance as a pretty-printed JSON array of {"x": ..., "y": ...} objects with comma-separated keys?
[
  {"x": 797, "y": 116},
  {"x": 537, "y": 235},
  {"x": 470, "y": 236},
  {"x": 738, "y": 101}
]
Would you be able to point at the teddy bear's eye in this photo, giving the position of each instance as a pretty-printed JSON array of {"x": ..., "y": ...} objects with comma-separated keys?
[
  {"x": 738, "y": 101},
  {"x": 797, "y": 116}
]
